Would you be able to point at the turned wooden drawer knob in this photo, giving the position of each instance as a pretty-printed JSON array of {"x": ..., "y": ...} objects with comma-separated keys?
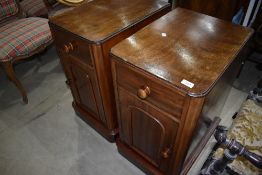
[
  {"x": 68, "y": 47},
  {"x": 143, "y": 92},
  {"x": 68, "y": 82},
  {"x": 165, "y": 153}
]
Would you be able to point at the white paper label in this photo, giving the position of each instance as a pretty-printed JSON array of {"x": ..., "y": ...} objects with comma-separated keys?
[
  {"x": 187, "y": 83},
  {"x": 163, "y": 34}
]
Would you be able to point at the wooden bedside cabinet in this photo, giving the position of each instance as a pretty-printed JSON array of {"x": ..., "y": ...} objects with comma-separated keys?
[
  {"x": 83, "y": 38},
  {"x": 166, "y": 76}
]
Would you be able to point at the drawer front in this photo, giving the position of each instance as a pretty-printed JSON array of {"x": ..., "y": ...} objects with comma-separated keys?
[
  {"x": 69, "y": 44},
  {"x": 150, "y": 89}
]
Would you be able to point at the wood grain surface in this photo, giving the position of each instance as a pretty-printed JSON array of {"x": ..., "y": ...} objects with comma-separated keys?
[
  {"x": 157, "y": 114},
  {"x": 83, "y": 38},
  {"x": 185, "y": 45},
  {"x": 99, "y": 20}
]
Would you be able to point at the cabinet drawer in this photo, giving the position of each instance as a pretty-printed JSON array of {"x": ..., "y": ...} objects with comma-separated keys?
[
  {"x": 150, "y": 89},
  {"x": 70, "y": 44}
]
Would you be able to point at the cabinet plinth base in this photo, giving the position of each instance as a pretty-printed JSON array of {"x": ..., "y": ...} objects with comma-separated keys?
[
  {"x": 108, "y": 134},
  {"x": 136, "y": 159}
]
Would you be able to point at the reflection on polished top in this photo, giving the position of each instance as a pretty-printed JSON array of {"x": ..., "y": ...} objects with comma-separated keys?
[
  {"x": 185, "y": 45},
  {"x": 99, "y": 20}
]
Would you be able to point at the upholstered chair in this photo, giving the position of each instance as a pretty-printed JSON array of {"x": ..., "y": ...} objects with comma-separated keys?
[
  {"x": 38, "y": 7},
  {"x": 20, "y": 38}
]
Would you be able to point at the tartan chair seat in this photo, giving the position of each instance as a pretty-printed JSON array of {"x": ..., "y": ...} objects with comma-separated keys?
[
  {"x": 22, "y": 37},
  {"x": 37, "y": 7},
  {"x": 34, "y": 7}
]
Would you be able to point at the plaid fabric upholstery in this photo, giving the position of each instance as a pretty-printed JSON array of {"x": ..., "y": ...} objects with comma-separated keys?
[
  {"x": 7, "y": 8},
  {"x": 34, "y": 7},
  {"x": 22, "y": 37}
]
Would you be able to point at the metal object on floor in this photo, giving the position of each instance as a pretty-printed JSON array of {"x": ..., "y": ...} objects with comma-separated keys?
[{"x": 256, "y": 94}]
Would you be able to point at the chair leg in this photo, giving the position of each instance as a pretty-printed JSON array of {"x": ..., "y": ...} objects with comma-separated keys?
[{"x": 11, "y": 76}]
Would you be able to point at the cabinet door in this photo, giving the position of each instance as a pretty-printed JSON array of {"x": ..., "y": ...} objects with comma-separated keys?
[
  {"x": 147, "y": 130},
  {"x": 84, "y": 87}
]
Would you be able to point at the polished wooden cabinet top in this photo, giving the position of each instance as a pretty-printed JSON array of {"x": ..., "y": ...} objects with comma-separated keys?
[
  {"x": 185, "y": 45},
  {"x": 99, "y": 20}
]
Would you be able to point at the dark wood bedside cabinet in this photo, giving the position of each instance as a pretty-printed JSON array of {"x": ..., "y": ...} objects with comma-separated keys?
[
  {"x": 84, "y": 37},
  {"x": 166, "y": 76}
]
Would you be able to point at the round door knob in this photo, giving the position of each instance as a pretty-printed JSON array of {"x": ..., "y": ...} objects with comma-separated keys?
[
  {"x": 165, "y": 153},
  {"x": 68, "y": 82},
  {"x": 143, "y": 92},
  {"x": 68, "y": 47}
]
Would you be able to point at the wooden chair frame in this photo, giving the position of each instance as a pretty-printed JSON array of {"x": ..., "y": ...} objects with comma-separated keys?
[{"x": 8, "y": 65}]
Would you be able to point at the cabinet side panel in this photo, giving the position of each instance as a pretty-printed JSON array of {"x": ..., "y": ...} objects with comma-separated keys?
[
  {"x": 191, "y": 113},
  {"x": 103, "y": 69},
  {"x": 104, "y": 78},
  {"x": 216, "y": 98},
  {"x": 215, "y": 101}
]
